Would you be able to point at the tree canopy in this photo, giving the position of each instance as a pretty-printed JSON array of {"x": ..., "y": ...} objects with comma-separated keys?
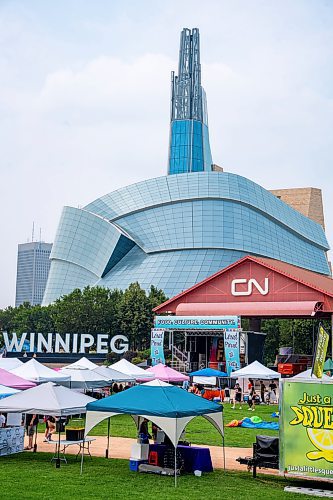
[{"x": 91, "y": 310}]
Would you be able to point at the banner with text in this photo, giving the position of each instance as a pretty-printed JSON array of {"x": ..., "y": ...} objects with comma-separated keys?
[
  {"x": 197, "y": 322},
  {"x": 306, "y": 429},
  {"x": 231, "y": 351},
  {"x": 320, "y": 352},
  {"x": 157, "y": 346}
]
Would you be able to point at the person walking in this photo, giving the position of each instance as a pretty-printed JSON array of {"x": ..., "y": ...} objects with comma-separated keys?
[
  {"x": 238, "y": 396},
  {"x": 252, "y": 395},
  {"x": 262, "y": 391}
]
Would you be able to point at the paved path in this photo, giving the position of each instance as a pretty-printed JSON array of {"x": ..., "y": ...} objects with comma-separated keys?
[{"x": 121, "y": 448}]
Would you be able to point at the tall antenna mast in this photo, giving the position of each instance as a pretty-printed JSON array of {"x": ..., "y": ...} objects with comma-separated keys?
[{"x": 33, "y": 232}]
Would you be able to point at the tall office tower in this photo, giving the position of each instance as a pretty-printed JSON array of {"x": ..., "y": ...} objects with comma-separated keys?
[
  {"x": 33, "y": 265},
  {"x": 189, "y": 149}
]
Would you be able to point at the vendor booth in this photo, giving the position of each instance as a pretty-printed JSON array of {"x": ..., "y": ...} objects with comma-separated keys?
[
  {"x": 132, "y": 370},
  {"x": 113, "y": 375},
  {"x": 208, "y": 376},
  {"x": 9, "y": 379},
  {"x": 45, "y": 399},
  {"x": 83, "y": 378},
  {"x": 167, "y": 374},
  {"x": 255, "y": 370},
  {"x": 7, "y": 391},
  {"x": 37, "y": 372},
  {"x": 168, "y": 407}
]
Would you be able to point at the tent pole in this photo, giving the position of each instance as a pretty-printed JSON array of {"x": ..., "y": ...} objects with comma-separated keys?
[
  {"x": 223, "y": 453},
  {"x": 58, "y": 456},
  {"x": 176, "y": 456},
  {"x": 81, "y": 472},
  {"x": 107, "y": 449}
]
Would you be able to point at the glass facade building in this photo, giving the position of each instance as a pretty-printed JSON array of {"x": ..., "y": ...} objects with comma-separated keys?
[
  {"x": 33, "y": 265},
  {"x": 173, "y": 231}
]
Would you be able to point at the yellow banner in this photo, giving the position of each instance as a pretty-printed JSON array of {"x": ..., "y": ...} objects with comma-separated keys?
[{"x": 320, "y": 354}]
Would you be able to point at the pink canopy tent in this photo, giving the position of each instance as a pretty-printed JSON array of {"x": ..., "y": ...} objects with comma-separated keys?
[
  {"x": 167, "y": 374},
  {"x": 10, "y": 380}
]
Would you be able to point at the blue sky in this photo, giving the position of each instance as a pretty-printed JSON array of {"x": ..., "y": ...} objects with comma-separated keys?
[{"x": 84, "y": 100}]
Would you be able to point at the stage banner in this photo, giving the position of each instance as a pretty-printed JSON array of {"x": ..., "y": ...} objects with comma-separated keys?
[
  {"x": 197, "y": 322},
  {"x": 157, "y": 346},
  {"x": 306, "y": 429},
  {"x": 217, "y": 351},
  {"x": 320, "y": 352},
  {"x": 231, "y": 350}
]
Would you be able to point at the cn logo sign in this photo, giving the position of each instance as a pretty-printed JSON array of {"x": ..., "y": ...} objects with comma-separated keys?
[{"x": 252, "y": 282}]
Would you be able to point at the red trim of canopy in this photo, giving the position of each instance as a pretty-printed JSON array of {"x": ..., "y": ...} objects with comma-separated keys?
[{"x": 305, "y": 308}]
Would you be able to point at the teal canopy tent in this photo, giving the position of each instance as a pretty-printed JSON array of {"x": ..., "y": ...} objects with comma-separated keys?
[{"x": 169, "y": 407}]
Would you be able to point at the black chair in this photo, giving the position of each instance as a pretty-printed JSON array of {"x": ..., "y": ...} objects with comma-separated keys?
[{"x": 265, "y": 454}]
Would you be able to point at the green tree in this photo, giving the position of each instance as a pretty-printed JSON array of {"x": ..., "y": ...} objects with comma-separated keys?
[
  {"x": 91, "y": 310},
  {"x": 135, "y": 316},
  {"x": 272, "y": 342}
]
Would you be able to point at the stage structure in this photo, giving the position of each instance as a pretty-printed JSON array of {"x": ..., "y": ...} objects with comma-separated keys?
[{"x": 207, "y": 341}]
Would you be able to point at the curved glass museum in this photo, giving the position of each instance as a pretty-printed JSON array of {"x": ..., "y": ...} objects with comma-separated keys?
[{"x": 173, "y": 231}]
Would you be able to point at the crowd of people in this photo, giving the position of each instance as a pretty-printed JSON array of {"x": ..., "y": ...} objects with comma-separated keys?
[{"x": 262, "y": 394}]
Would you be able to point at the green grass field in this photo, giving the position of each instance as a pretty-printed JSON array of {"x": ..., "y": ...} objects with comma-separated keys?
[
  {"x": 200, "y": 431},
  {"x": 32, "y": 476}
]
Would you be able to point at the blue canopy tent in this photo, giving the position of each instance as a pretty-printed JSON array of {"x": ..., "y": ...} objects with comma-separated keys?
[
  {"x": 208, "y": 376},
  {"x": 169, "y": 407}
]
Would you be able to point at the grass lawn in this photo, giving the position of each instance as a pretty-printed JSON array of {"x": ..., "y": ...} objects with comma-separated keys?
[
  {"x": 199, "y": 430},
  {"x": 32, "y": 476}
]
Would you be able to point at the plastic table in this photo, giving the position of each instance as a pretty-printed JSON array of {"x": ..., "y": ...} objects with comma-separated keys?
[{"x": 84, "y": 445}]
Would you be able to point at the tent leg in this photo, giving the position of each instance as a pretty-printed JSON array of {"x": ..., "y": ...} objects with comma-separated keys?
[
  {"x": 175, "y": 466},
  {"x": 82, "y": 453},
  {"x": 176, "y": 456},
  {"x": 223, "y": 453},
  {"x": 58, "y": 455},
  {"x": 108, "y": 445}
]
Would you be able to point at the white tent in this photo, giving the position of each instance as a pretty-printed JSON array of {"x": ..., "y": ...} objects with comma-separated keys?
[
  {"x": 82, "y": 363},
  {"x": 7, "y": 391},
  {"x": 82, "y": 378},
  {"x": 35, "y": 371},
  {"x": 128, "y": 368},
  {"x": 255, "y": 370},
  {"x": 306, "y": 375},
  {"x": 10, "y": 363},
  {"x": 46, "y": 399},
  {"x": 113, "y": 375}
]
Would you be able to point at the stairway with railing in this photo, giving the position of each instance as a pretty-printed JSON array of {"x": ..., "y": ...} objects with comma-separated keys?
[{"x": 179, "y": 361}]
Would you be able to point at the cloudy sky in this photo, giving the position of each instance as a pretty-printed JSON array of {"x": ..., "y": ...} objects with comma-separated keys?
[{"x": 84, "y": 100}]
